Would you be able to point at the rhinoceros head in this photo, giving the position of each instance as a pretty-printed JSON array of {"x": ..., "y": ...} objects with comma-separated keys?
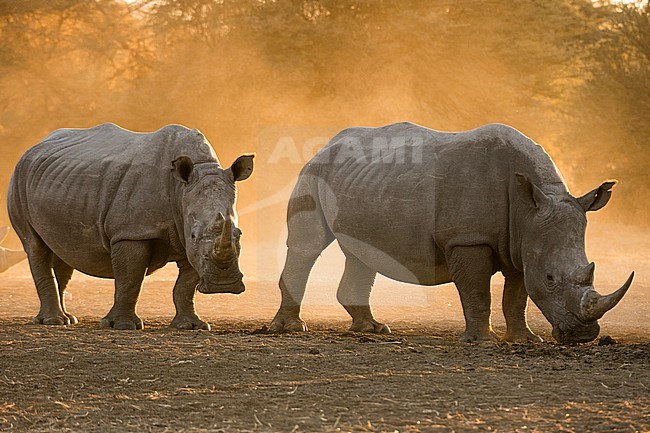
[
  {"x": 558, "y": 276},
  {"x": 210, "y": 221}
]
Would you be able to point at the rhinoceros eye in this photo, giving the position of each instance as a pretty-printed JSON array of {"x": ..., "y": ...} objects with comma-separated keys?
[
  {"x": 194, "y": 235},
  {"x": 550, "y": 278}
]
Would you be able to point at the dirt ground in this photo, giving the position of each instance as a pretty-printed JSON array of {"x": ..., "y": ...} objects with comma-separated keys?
[{"x": 419, "y": 378}]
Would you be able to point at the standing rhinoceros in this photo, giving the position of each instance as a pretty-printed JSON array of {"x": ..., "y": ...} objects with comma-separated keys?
[
  {"x": 118, "y": 204},
  {"x": 427, "y": 207},
  {"x": 8, "y": 257}
]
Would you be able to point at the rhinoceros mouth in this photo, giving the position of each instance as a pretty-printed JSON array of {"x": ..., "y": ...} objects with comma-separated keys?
[
  {"x": 235, "y": 286},
  {"x": 577, "y": 331}
]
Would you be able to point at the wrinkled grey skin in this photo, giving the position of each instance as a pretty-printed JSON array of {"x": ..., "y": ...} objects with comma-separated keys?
[
  {"x": 118, "y": 204},
  {"x": 427, "y": 207},
  {"x": 8, "y": 257}
]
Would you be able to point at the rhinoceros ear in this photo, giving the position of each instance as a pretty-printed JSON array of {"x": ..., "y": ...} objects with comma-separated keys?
[
  {"x": 182, "y": 168},
  {"x": 3, "y": 233},
  {"x": 597, "y": 198},
  {"x": 532, "y": 192},
  {"x": 242, "y": 168}
]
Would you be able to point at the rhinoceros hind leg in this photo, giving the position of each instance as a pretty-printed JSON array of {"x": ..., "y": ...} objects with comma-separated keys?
[
  {"x": 471, "y": 268},
  {"x": 354, "y": 294},
  {"x": 308, "y": 236},
  {"x": 292, "y": 287},
  {"x": 184, "y": 290},
  {"x": 63, "y": 273},
  {"x": 130, "y": 260},
  {"x": 515, "y": 301},
  {"x": 40, "y": 263}
]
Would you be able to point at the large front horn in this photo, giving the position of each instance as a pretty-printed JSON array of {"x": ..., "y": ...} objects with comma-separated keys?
[
  {"x": 595, "y": 305},
  {"x": 224, "y": 250}
]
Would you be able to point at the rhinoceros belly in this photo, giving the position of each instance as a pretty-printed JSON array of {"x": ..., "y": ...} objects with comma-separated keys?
[
  {"x": 401, "y": 248},
  {"x": 401, "y": 266}
]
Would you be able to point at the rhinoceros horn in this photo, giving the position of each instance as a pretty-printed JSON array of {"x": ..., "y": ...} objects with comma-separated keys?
[
  {"x": 224, "y": 249},
  {"x": 585, "y": 274},
  {"x": 594, "y": 305}
]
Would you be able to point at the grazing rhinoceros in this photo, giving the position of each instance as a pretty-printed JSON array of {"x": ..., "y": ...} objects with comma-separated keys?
[
  {"x": 428, "y": 207},
  {"x": 8, "y": 257},
  {"x": 118, "y": 204}
]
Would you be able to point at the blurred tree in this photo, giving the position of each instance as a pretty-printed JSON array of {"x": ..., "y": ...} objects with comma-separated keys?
[
  {"x": 63, "y": 56},
  {"x": 572, "y": 74},
  {"x": 63, "y": 63},
  {"x": 611, "y": 122}
]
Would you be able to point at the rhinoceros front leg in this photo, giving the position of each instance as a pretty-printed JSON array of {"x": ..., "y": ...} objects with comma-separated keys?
[
  {"x": 515, "y": 301},
  {"x": 471, "y": 269},
  {"x": 354, "y": 294},
  {"x": 184, "y": 290},
  {"x": 40, "y": 263},
  {"x": 130, "y": 260},
  {"x": 63, "y": 273}
]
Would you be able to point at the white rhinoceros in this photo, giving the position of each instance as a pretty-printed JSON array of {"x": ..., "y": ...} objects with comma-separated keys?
[
  {"x": 118, "y": 204},
  {"x": 427, "y": 207}
]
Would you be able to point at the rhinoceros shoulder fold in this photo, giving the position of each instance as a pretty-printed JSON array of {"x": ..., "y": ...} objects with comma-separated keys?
[
  {"x": 186, "y": 142},
  {"x": 525, "y": 154}
]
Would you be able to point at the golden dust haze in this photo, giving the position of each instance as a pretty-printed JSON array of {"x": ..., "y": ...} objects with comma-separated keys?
[{"x": 280, "y": 77}]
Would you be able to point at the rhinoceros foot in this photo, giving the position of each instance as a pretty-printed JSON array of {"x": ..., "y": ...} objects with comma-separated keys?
[
  {"x": 280, "y": 325},
  {"x": 474, "y": 336},
  {"x": 370, "y": 326},
  {"x": 187, "y": 322},
  {"x": 73, "y": 319},
  {"x": 130, "y": 321},
  {"x": 58, "y": 319},
  {"x": 522, "y": 336}
]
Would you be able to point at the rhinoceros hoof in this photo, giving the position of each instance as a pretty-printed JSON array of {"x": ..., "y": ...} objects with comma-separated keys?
[
  {"x": 189, "y": 323},
  {"x": 73, "y": 319},
  {"x": 475, "y": 337},
  {"x": 121, "y": 322},
  {"x": 522, "y": 337},
  {"x": 287, "y": 325},
  {"x": 371, "y": 326},
  {"x": 59, "y": 319}
]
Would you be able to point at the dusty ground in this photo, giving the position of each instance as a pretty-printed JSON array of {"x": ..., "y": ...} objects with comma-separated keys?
[{"x": 84, "y": 379}]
